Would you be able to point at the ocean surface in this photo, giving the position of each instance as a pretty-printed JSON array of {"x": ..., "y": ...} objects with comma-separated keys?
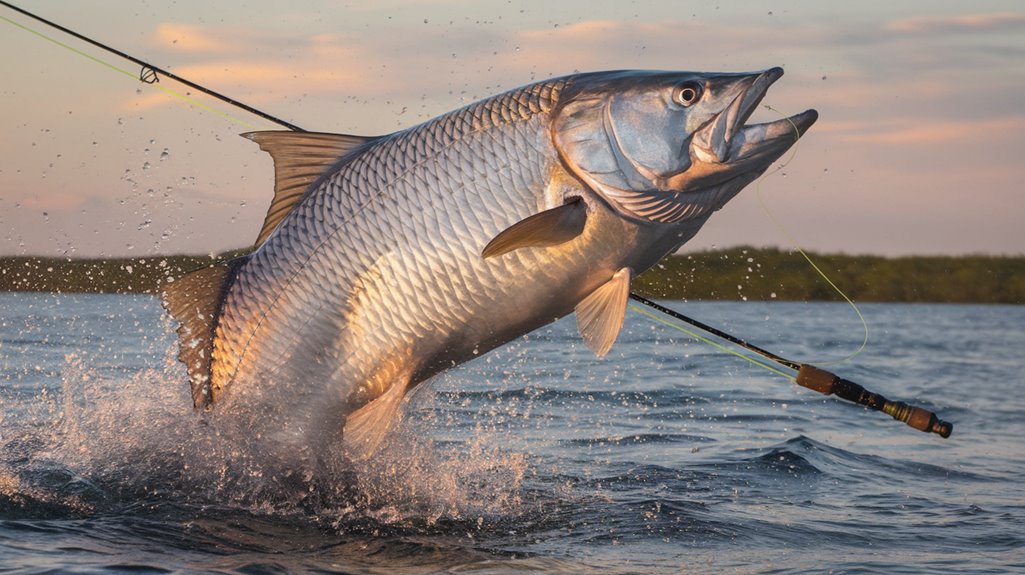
[{"x": 667, "y": 456}]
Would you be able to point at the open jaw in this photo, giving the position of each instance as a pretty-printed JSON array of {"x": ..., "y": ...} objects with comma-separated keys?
[
  {"x": 702, "y": 168},
  {"x": 725, "y": 155},
  {"x": 762, "y": 144},
  {"x": 726, "y": 147}
]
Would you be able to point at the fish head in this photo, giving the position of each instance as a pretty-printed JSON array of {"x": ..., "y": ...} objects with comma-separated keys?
[{"x": 668, "y": 147}]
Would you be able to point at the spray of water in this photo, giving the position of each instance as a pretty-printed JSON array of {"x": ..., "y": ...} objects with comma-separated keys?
[{"x": 102, "y": 442}]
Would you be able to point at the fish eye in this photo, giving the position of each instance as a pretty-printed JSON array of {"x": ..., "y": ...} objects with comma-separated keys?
[{"x": 687, "y": 93}]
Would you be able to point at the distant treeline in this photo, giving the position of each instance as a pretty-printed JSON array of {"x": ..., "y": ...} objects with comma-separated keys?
[
  {"x": 772, "y": 274},
  {"x": 106, "y": 275},
  {"x": 733, "y": 274}
]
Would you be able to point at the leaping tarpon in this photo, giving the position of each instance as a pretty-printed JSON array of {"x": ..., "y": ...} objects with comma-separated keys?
[{"x": 385, "y": 260}]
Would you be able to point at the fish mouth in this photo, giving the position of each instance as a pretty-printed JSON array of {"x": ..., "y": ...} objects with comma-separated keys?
[
  {"x": 706, "y": 163},
  {"x": 726, "y": 147}
]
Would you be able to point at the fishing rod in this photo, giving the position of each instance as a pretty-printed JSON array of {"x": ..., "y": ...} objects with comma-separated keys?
[
  {"x": 808, "y": 376},
  {"x": 824, "y": 382},
  {"x": 150, "y": 74}
]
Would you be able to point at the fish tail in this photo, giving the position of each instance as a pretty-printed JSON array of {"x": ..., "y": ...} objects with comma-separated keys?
[{"x": 195, "y": 302}]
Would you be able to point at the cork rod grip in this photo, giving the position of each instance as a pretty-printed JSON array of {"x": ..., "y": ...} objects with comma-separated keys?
[{"x": 828, "y": 383}]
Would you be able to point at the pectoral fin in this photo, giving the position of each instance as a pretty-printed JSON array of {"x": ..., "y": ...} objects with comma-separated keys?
[
  {"x": 366, "y": 427},
  {"x": 600, "y": 315},
  {"x": 548, "y": 228}
]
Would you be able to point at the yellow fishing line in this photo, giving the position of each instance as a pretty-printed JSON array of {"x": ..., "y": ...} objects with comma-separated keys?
[
  {"x": 783, "y": 230},
  {"x": 710, "y": 342},
  {"x": 166, "y": 90}
]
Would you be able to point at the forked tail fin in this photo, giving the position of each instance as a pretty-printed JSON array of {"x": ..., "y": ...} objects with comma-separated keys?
[{"x": 195, "y": 301}]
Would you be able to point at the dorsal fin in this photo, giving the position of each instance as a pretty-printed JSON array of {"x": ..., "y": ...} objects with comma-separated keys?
[
  {"x": 299, "y": 159},
  {"x": 195, "y": 300}
]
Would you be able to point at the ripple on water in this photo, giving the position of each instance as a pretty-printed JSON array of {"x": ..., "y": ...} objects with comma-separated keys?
[{"x": 541, "y": 460}]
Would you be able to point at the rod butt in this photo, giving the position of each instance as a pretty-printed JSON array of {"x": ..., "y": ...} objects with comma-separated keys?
[{"x": 828, "y": 383}]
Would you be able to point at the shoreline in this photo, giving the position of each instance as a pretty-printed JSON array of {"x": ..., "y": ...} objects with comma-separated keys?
[{"x": 741, "y": 273}]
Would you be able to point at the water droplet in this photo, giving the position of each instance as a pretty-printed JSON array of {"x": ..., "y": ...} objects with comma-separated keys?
[
  {"x": 145, "y": 165},
  {"x": 164, "y": 155}
]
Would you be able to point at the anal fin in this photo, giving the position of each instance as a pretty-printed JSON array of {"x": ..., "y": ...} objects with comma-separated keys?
[
  {"x": 195, "y": 301},
  {"x": 548, "y": 228},
  {"x": 367, "y": 427},
  {"x": 600, "y": 315}
]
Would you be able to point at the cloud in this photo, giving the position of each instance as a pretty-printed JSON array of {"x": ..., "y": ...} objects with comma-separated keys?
[
  {"x": 271, "y": 60},
  {"x": 594, "y": 31},
  {"x": 53, "y": 201},
  {"x": 401, "y": 64},
  {"x": 931, "y": 131},
  {"x": 196, "y": 39},
  {"x": 429, "y": 69},
  {"x": 270, "y": 74},
  {"x": 671, "y": 44},
  {"x": 960, "y": 23}
]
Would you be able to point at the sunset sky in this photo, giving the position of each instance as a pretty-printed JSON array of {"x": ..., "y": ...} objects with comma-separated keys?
[{"x": 919, "y": 148}]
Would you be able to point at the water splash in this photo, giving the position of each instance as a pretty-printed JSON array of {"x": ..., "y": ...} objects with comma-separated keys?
[{"x": 105, "y": 442}]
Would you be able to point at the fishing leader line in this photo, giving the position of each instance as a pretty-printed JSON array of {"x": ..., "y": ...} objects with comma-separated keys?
[
  {"x": 786, "y": 233},
  {"x": 807, "y": 375}
]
